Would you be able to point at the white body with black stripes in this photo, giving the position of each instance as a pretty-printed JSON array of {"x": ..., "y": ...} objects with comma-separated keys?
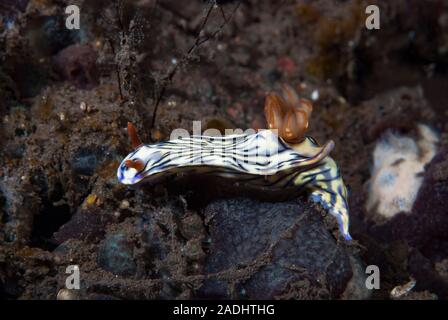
[{"x": 258, "y": 160}]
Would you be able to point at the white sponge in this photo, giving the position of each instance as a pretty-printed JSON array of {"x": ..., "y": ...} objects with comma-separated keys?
[{"x": 398, "y": 167}]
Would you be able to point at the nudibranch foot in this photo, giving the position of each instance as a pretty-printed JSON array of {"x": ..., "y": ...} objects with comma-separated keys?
[{"x": 341, "y": 216}]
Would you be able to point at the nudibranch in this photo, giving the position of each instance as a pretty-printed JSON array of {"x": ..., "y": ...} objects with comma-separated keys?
[{"x": 280, "y": 158}]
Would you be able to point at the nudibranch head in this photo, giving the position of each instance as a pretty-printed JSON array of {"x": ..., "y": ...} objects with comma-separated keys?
[{"x": 133, "y": 168}]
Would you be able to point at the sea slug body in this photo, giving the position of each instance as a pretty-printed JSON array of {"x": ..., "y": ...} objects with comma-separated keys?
[{"x": 279, "y": 158}]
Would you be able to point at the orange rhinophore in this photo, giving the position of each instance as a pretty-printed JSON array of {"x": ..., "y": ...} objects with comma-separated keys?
[
  {"x": 135, "y": 140},
  {"x": 136, "y": 164}
]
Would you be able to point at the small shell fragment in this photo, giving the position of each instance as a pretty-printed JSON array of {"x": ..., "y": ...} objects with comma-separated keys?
[
  {"x": 401, "y": 291},
  {"x": 66, "y": 294},
  {"x": 124, "y": 204}
]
